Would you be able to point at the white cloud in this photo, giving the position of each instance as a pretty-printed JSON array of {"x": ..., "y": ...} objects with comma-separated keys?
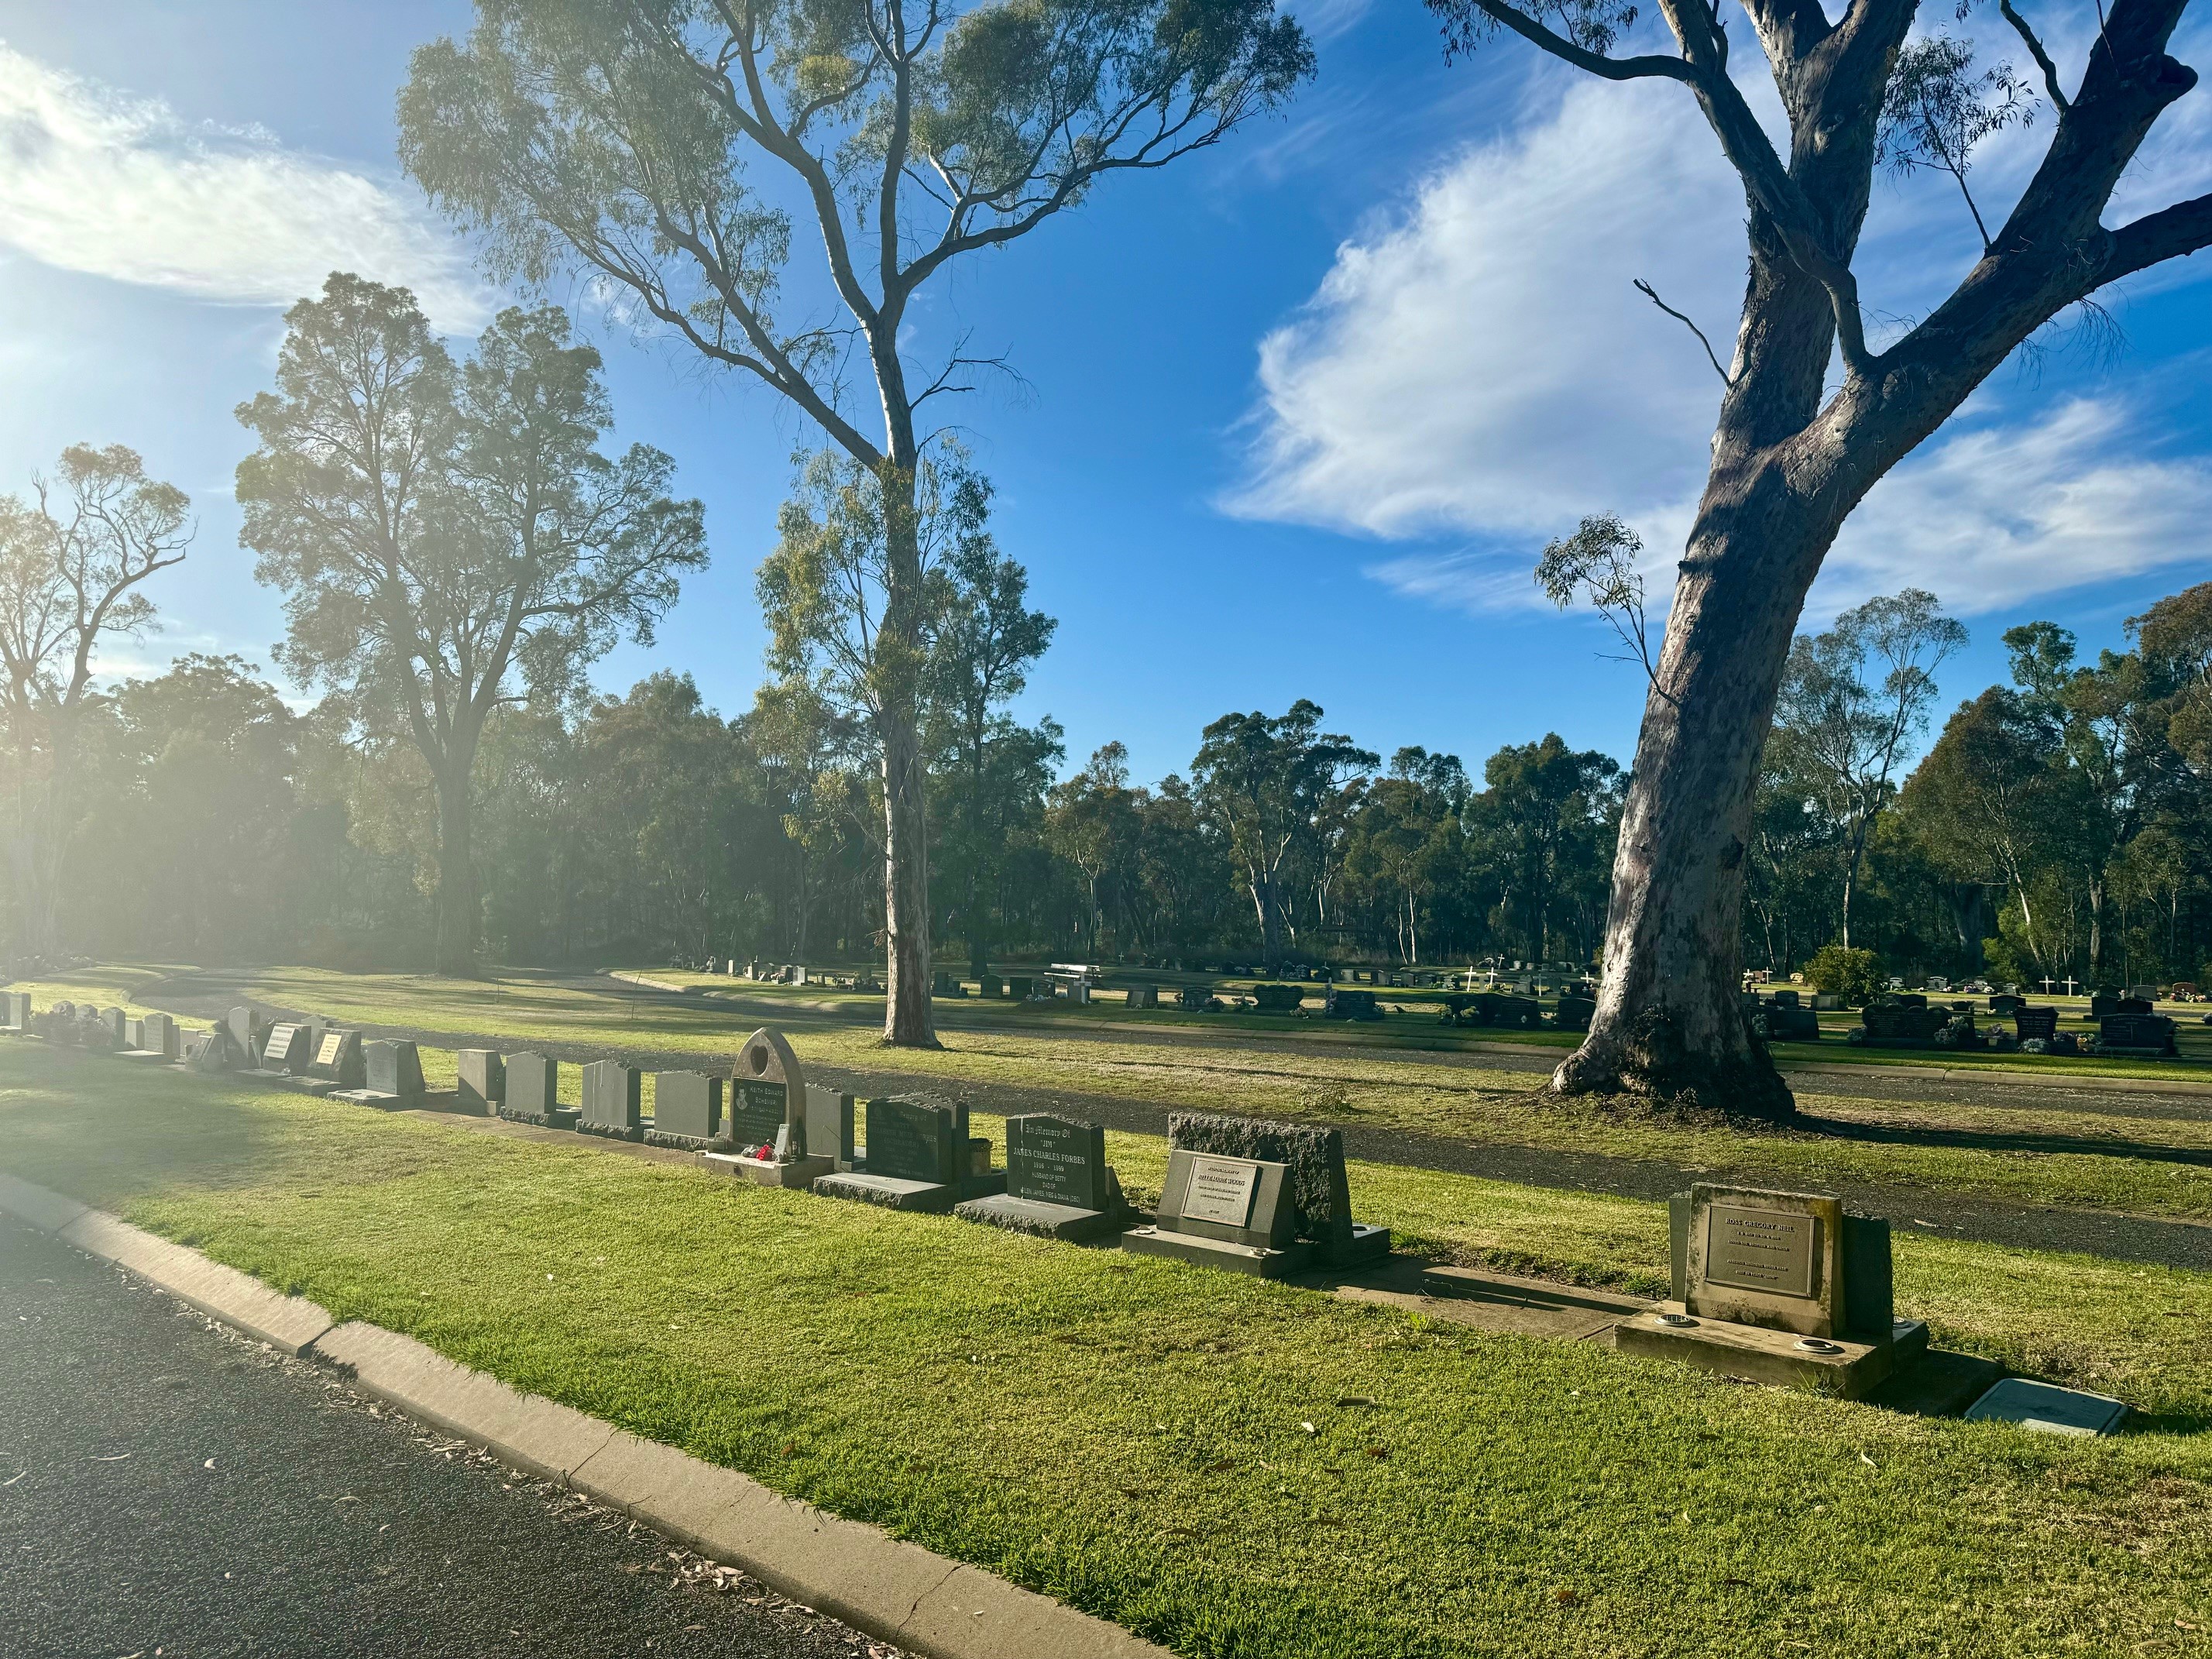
[
  {"x": 93, "y": 179},
  {"x": 1478, "y": 373},
  {"x": 1991, "y": 515},
  {"x": 1485, "y": 364}
]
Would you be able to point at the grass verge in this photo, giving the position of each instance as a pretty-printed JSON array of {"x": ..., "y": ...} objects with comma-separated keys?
[{"x": 1190, "y": 1453}]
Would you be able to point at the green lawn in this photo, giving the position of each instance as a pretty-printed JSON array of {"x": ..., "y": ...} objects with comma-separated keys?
[
  {"x": 1131, "y": 1434},
  {"x": 2051, "y": 1155}
]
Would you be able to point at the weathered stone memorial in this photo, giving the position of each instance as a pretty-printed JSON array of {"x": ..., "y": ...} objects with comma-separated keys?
[
  {"x": 1781, "y": 1287},
  {"x": 920, "y": 1157},
  {"x": 16, "y": 1011},
  {"x": 154, "y": 1039},
  {"x": 830, "y": 1124},
  {"x": 614, "y": 1101},
  {"x": 338, "y": 1063},
  {"x": 1256, "y": 1197},
  {"x": 118, "y": 1028},
  {"x": 391, "y": 1078},
  {"x": 248, "y": 1031},
  {"x": 766, "y": 1127},
  {"x": 534, "y": 1093},
  {"x": 1059, "y": 1184},
  {"x": 687, "y": 1111},
  {"x": 217, "y": 1050},
  {"x": 480, "y": 1081},
  {"x": 1144, "y": 996},
  {"x": 284, "y": 1051}
]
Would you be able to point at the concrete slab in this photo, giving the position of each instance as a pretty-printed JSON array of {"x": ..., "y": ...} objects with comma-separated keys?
[
  {"x": 533, "y": 1433},
  {"x": 289, "y": 1323},
  {"x": 1783, "y": 1359},
  {"x": 890, "y": 1192},
  {"x": 50, "y": 1211},
  {"x": 1260, "y": 1262},
  {"x": 1494, "y": 1302}
]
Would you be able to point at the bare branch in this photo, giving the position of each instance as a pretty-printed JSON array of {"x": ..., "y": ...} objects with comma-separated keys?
[
  {"x": 1651, "y": 293},
  {"x": 2035, "y": 50}
]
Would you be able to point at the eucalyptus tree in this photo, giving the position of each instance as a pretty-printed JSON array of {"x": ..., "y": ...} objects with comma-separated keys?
[
  {"x": 449, "y": 540},
  {"x": 74, "y": 560},
  {"x": 615, "y": 137},
  {"x": 1795, "y": 450},
  {"x": 1850, "y": 737},
  {"x": 1260, "y": 781}
]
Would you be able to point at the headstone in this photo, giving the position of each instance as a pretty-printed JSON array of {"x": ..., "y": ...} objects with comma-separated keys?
[
  {"x": 1225, "y": 1211},
  {"x": 1277, "y": 999},
  {"x": 1575, "y": 1013},
  {"x": 392, "y": 1077},
  {"x": 284, "y": 1051},
  {"x": 480, "y": 1080},
  {"x": 118, "y": 1027},
  {"x": 1317, "y": 1198},
  {"x": 1017, "y": 988},
  {"x": 1781, "y": 1287},
  {"x": 153, "y": 1038},
  {"x": 217, "y": 1050},
  {"x": 338, "y": 1060},
  {"x": 534, "y": 1093},
  {"x": 920, "y": 1157},
  {"x": 246, "y": 1032},
  {"x": 1059, "y": 1184},
  {"x": 16, "y": 1011},
  {"x": 687, "y": 1111},
  {"x": 829, "y": 1125},
  {"x": 766, "y": 1128},
  {"x": 2035, "y": 1021},
  {"x": 1144, "y": 996},
  {"x": 614, "y": 1101},
  {"x": 2137, "y": 1032}
]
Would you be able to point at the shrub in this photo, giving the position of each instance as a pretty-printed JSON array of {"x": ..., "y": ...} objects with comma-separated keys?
[{"x": 1854, "y": 976}]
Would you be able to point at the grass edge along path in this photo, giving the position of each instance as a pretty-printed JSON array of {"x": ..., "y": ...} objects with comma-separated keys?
[{"x": 1190, "y": 1453}]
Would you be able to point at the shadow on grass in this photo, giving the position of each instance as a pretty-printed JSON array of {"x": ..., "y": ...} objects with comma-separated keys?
[{"x": 1998, "y": 1141}]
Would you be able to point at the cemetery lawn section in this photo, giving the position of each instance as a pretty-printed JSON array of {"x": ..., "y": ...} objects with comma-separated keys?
[
  {"x": 1236, "y": 1469},
  {"x": 2046, "y": 1154}
]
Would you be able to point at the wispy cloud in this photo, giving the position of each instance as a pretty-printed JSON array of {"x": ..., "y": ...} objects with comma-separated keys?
[
  {"x": 98, "y": 180},
  {"x": 1475, "y": 374}
]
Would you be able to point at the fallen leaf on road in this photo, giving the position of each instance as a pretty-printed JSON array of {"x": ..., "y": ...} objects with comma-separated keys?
[
  {"x": 14, "y": 1477},
  {"x": 209, "y": 1464},
  {"x": 118, "y": 1458}
]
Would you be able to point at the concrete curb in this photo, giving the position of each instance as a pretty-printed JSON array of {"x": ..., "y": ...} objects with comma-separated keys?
[{"x": 888, "y": 1589}]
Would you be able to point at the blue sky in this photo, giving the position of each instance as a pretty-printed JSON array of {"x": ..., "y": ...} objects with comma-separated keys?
[{"x": 1295, "y": 416}]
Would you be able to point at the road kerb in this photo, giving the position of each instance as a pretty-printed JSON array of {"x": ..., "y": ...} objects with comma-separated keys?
[{"x": 896, "y": 1591}]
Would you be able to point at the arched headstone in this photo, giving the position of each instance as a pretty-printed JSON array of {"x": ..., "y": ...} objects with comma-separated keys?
[{"x": 764, "y": 1117}]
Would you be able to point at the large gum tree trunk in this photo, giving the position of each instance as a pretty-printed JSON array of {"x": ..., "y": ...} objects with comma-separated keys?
[
  {"x": 457, "y": 898},
  {"x": 909, "y": 1022}
]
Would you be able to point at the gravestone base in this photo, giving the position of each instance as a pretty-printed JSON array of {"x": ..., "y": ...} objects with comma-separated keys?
[
  {"x": 609, "y": 1131},
  {"x": 153, "y": 1055},
  {"x": 676, "y": 1143},
  {"x": 380, "y": 1101},
  {"x": 1369, "y": 1243},
  {"x": 896, "y": 1193},
  {"x": 1853, "y": 1371},
  {"x": 794, "y": 1174},
  {"x": 1259, "y": 1260},
  {"x": 1044, "y": 1220},
  {"x": 560, "y": 1118}
]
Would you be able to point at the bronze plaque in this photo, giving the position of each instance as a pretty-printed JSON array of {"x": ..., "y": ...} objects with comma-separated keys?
[
  {"x": 1768, "y": 1250},
  {"x": 1221, "y": 1190},
  {"x": 333, "y": 1046}
]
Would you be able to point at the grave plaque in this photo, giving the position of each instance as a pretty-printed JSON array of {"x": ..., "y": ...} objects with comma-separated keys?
[
  {"x": 1767, "y": 1258},
  {"x": 758, "y": 1110},
  {"x": 1220, "y": 1190},
  {"x": 1768, "y": 1250},
  {"x": 614, "y": 1101}
]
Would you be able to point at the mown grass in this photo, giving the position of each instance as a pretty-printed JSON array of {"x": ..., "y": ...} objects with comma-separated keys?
[
  {"x": 2046, "y": 1156},
  {"x": 1131, "y": 1434}
]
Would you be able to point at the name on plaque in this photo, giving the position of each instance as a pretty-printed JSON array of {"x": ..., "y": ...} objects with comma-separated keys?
[
  {"x": 1768, "y": 1250},
  {"x": 1052, "y": 1162},
  {"x": 1221, "y": 1190},
  {"x": 280, "y": 1040},
  {"x": 755, "y": 1111},
  {"x": 333, "y": 1046}
]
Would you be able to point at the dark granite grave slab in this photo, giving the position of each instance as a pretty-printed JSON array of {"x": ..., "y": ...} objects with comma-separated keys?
[
  {"x": 481, "y": 1083},
  {"x": 534, "y": 1093},
  {"x": 614, "y": 1101},
  {"x": 392, "y": 1082},
  {"x": 687, "y": 1111},
  {"x": 1317, "y": 1187}
]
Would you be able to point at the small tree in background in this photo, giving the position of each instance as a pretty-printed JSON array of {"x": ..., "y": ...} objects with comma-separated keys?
[{"x": 72, "y": 562}]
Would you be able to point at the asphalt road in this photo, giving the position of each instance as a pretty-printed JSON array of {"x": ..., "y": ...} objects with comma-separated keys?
[{"x": 171, "y": 1489}]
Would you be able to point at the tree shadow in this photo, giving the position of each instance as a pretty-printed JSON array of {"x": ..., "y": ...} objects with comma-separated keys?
[{"x": 1989, "y": 1140}]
